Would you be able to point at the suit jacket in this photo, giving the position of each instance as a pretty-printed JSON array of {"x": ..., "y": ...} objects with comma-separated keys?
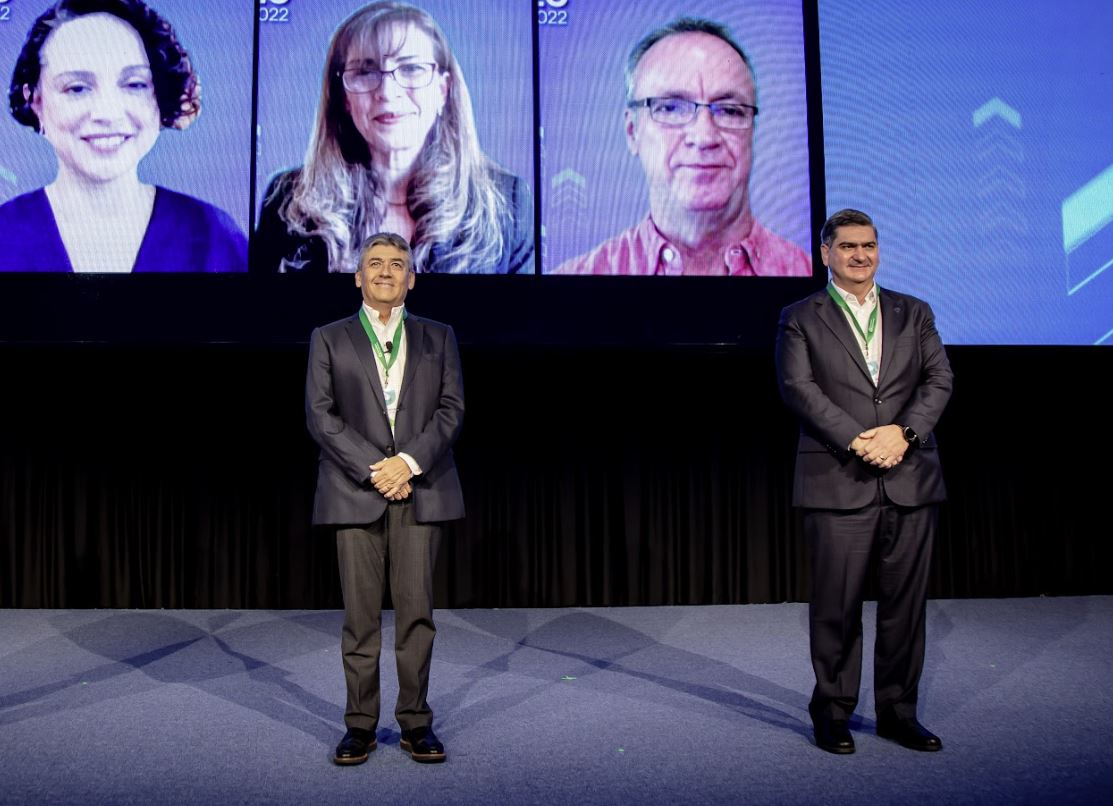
[
  {"x": 824, "y": 380},
  {"x": 347, "y": 416}
]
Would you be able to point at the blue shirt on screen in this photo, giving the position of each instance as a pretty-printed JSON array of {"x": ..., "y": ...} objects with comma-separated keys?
[{"x": 184, "y": 235}]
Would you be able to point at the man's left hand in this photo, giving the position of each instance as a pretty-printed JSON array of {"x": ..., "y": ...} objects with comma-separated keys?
[
  {"x": 883, "y": 446},
  {"x": 390, "y": 474}
]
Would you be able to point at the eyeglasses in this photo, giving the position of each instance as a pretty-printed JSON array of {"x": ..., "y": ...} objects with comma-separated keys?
[
  {"x": 367, "y": 77},
  {"x": 681, "y": 112}
]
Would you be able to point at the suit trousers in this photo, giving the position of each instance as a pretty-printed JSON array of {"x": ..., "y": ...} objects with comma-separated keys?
[
  {"x": 842, "y": 546},
  {"x": 409, "y": 550}
]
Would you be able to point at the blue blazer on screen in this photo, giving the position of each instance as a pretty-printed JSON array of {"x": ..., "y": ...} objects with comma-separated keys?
[
  {"x": 276, "y": 249},
  {"x": 184, "y": 235},
  {"x": 347, "y": 417}
]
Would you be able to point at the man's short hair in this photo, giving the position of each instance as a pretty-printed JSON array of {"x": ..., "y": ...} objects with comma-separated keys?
[
  {"x": 681, "y": 25},
  {"x": 845, "y": 218},
  {"x": 390, "y": 239}
]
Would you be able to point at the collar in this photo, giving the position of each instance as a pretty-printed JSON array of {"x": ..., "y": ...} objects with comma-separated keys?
[
  {"x": 852, "y": 300},
  {"x": 743, "y": 257},
  {"x": 391, "y": 323}
]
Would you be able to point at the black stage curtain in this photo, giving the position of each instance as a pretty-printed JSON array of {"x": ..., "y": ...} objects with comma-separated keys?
[{"x": 176, "y": 477}]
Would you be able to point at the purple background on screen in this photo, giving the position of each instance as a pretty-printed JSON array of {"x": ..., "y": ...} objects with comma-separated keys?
[
  {"x": 491, "y": 39},
  {"x": 582, "y": 96},
  {"x": 210, "y": 160}
]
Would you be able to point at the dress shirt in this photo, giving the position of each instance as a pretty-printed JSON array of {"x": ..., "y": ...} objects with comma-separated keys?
[
  {"x": 861, "y": 312},
  {"x": 644, "y": 250},
  {"x": 391, "y": 384}
]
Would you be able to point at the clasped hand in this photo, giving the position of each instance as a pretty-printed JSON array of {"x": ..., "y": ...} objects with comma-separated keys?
[
  {"x": 391, "y": 477},
  {"x": 882, "y": 447}
]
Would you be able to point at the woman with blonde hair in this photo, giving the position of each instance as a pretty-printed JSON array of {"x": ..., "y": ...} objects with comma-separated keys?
[{"x": 395, "y": 149}]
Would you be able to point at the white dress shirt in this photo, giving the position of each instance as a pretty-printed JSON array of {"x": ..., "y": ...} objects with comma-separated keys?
[
  {"x": 861, "y": 312},
  {"x": 391, "y": 382}
]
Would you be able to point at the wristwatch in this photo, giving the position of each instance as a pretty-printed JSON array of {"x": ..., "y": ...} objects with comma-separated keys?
[{"x": 910, "y": 436}]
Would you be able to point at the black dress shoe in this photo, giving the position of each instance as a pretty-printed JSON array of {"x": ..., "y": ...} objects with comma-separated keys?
[
  {"x": 908, "y": 732},
  {"x": 833, "y": 735},
  {"x": 355, "y": 746},
  {"x": 422, "y": 745}
]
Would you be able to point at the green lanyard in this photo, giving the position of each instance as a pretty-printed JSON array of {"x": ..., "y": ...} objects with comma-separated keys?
[
  {"x": 378, "y": 348},
  {"x": 871, "y": 324}
]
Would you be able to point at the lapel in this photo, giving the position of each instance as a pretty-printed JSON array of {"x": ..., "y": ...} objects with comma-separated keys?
[
  {"x": 415, "y": 353},
  {"x": 835, "y": 319},
  {"x": 894, "y": 314},
  {"x": 367, "y": 359}
]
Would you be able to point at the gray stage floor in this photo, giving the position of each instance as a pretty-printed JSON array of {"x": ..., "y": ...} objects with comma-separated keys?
[{"x": 637, "y": 705}]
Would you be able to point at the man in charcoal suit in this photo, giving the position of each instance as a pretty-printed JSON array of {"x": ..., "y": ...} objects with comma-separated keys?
[
  {"x": 864, "y": 370},
  {"x": 385, "y": 403}
]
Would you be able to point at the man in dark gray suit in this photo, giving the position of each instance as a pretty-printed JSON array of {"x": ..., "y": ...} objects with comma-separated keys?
[
  {"x": 864, "y": 370},
  {"x": 384, "y": 399}
]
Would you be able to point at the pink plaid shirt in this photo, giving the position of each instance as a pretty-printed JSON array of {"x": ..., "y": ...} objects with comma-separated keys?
[{"x": 644, "y": 250}]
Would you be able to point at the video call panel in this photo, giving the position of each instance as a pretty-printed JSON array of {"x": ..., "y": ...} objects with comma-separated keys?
[
  {"x": 595, "y": 187},
  {"x": 475, "y": 170},
  {"x": 979, "y": 138},
  {"x": 1008, "y": 142},
  {"x": 134, "y": 181}
]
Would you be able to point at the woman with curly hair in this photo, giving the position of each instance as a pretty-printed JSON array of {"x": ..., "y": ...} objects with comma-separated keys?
[
  {"x": 395, "y": 149},
  {"x": 99, "y": 79}
]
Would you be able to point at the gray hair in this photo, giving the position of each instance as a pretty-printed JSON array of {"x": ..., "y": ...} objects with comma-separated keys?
[
  {"x": 845, "y": 218},
  {"x": 387, "y": 239},
  {"x": 681, "y": 25}
]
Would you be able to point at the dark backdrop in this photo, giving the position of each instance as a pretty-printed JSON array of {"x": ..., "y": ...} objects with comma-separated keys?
[{"x": 143, "y": 476}]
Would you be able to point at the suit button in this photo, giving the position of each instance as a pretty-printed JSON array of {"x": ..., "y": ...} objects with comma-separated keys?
[
  {"x": 390, "y": 450},
  {"x": 877, "y": 401}
]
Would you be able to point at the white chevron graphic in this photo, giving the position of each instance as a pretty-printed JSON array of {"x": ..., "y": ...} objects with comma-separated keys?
[{"x": 995, "y": 107}]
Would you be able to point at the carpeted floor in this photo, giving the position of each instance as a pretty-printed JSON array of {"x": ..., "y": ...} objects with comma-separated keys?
[{"x": 574, "y": 706}]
